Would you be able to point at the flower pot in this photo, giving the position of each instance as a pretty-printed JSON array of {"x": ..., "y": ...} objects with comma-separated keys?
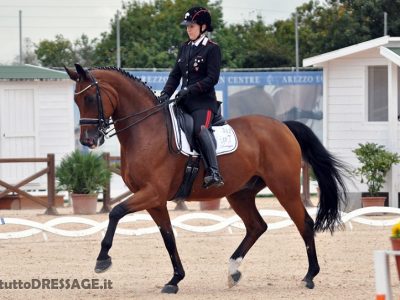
[
  {"x": 84, "y": 204},
  {"x": 396, "y": 247},
  {"x": 212, "y": 204},
  {"x": 373, "y": 201}
]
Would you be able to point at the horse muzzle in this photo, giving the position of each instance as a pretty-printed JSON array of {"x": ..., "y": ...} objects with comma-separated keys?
[{"x": 91, "y": 140}]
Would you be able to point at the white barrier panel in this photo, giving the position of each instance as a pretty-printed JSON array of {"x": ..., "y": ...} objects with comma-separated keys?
[
  {"x": 179, "y": 222},
  {"x": 382, "y": 274}
]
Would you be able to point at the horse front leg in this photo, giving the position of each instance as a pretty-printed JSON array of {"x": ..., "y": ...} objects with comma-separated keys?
[
  {"x": 103, "y": 262},
  {"x": 161, "y": 218},
  {"x": 141, "y": 200}
]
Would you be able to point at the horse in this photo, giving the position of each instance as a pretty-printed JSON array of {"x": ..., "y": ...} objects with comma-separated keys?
[{"x": 269, "y": 153}]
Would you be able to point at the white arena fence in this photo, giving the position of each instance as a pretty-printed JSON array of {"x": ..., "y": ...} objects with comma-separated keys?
[
  {"x": 383, "y": 284},
  {"x": 358, "y": 215}
]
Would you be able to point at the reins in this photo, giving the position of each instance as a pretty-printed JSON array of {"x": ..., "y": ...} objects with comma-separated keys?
[{"x": 151, "y": 111}]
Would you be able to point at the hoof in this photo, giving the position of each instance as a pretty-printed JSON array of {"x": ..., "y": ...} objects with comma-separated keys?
[
  {"x": 169, "y": 289},
  {"x": 102, "y": 265},
  {"x": 308, "y": 283},
  {"x": 233, "y": 279}
]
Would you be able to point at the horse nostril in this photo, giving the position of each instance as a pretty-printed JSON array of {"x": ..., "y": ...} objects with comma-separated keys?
[{"x": 87, "y": 142}]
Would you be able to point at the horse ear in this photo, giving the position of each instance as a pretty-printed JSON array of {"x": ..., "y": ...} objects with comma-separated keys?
[
  {"x": 83, "y": 75},
  {"x": 71, "y": 73}
]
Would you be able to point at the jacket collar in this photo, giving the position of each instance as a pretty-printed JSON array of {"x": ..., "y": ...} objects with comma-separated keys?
[{"x": 197, "y": 42}]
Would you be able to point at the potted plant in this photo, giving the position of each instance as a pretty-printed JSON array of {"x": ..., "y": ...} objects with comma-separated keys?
[
  {"x": 211, "y": 204},
  {"x": 375, "y": 161},
  {"x": 83, "y": 175}
]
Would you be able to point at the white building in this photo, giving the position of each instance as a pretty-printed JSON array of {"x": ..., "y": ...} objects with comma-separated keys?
[
  {"x": 36, "y": 118},
  {"x": 361, "y": 103}
]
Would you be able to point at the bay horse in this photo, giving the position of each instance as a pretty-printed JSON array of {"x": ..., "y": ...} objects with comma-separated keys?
[{"x": 269, "y": 154}]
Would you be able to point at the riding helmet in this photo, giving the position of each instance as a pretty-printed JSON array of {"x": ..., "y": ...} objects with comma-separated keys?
[{"x": 198, "y": 15}]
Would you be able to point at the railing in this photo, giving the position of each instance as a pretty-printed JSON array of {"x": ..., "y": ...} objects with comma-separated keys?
[
  {"x": 221, "y": 223},
  {"x": 305, "y": 182},
  {"x": 49, "y": 170}
]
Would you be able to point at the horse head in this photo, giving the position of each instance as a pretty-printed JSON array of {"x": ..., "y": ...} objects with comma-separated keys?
[{"x": 94, "y": 111}]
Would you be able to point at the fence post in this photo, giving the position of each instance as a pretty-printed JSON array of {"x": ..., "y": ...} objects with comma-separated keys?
[
  {"x": 51, "y": 185},
  {"x": 106, "y": 192},
  {"x": 382, "y": 275},
  {"x": 305, "y": 196}
]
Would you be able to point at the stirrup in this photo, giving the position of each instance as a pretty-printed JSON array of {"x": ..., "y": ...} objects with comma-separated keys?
[{"x": 213, "y": 180}]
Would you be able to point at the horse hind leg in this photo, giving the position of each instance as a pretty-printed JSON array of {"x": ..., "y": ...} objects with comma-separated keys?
[
  {"x": 305, "y": 225},
  {"x": 308, "y": 237},
  {"x": 243, "y": 203}
]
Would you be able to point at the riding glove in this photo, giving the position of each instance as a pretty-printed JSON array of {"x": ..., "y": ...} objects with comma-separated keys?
[
  {"x": 182, "y": 94},
  {"x": 163, "y": 97}
]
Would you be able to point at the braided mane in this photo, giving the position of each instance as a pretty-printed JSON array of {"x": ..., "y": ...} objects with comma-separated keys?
[{"x": 130, "y": 76}]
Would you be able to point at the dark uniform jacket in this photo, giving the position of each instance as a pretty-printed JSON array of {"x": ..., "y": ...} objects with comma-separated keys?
[{"x": 199, "y": 68}]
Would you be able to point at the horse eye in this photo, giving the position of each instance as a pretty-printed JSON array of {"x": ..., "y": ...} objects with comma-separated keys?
[{"x": 89, "y": 98}]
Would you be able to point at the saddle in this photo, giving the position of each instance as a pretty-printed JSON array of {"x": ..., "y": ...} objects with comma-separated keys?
[
  {"x": 186, "y": 124},
  {"x": 224, "y": 138},
  {"x": 223, "y": 134}
]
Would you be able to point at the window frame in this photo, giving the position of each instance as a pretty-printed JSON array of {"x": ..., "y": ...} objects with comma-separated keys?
[{"x": 368, "y": 94}]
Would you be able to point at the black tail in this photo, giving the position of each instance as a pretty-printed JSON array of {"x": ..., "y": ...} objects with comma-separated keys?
[{"x": 328, "y": 170}]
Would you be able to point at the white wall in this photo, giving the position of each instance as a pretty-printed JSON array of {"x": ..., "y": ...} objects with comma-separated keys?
[
  {"x": 345, "y": 112},
  {"x": 53, "y": 118},
  {"x": 56, "y": 118}
]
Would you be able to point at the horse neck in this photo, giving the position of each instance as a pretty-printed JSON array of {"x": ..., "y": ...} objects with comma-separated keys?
[{"x": 134, "y": 98}]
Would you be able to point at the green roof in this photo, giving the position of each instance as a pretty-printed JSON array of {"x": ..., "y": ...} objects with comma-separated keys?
[
  {"x": 395, "y": 50},
  {"x": 29, "y": 72}
]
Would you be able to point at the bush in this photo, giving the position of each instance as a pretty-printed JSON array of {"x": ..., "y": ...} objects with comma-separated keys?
[{"x": 81, "y": 173}]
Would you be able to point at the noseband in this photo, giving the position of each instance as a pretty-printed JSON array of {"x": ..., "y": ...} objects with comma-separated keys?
[{"x": 102, "y": 122}]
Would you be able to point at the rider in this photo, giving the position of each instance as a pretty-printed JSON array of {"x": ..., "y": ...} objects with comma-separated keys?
[{"x": 198, "y": 64}]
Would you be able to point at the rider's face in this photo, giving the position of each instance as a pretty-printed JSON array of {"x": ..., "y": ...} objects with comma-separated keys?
[{"x": 193, "y": 31}]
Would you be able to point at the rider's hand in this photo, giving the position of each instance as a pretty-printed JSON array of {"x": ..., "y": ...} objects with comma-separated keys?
[
  {"x": 182, "y": 94},
  {"x": 163, "y": 97}
]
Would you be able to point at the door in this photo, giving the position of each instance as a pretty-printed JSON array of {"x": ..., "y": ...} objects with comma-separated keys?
[{"x": 17, "y": 132}]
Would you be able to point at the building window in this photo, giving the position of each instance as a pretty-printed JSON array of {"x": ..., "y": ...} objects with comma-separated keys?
[{"x": 377, "y": 93}]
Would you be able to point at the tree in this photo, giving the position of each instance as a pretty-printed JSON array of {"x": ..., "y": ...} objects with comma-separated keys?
[
  {"x": 63, "y": 52},
  {"x": 369, "y": 14},
  {"x": 262, "y": 49},
  {"x": 251, "y": 45},
  {"x": 84, "y": 50},
  {"x": 150, "y": 33},
  {"x": 232, "y": 51},
  {"x": 28, "y": 55},
  {"x": 55, "y": 53},
  {"x": 338, "y": 24}
]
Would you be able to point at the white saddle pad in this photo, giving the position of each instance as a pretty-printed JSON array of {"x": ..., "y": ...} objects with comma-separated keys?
[{"x": 225, "y": 135}]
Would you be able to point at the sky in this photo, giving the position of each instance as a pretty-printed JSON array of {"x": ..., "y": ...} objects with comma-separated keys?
[{"x": 44, "y": 19}]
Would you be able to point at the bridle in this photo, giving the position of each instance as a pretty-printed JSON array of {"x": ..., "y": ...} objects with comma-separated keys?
[{"x": 103, "y": 123}]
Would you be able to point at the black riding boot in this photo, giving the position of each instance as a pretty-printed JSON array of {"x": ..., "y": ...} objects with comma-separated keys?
[{"x": 207, "y": 149}]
